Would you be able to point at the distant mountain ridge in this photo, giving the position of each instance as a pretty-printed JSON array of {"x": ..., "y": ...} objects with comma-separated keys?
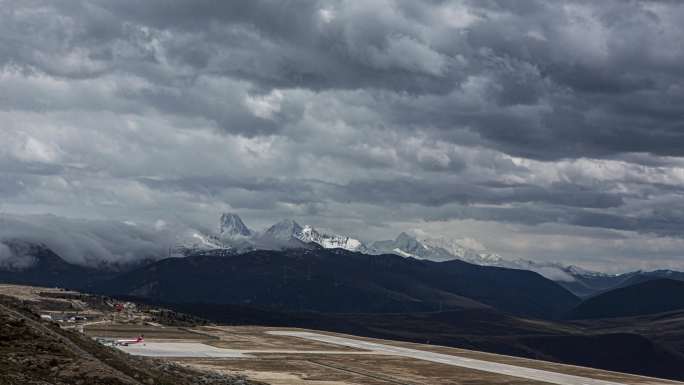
[
  {"x": 317, "y": 279},
  {"x": 340, "y": 281},
  {"x": 49, "y": 269},
  {"x": 443, "y": 249},
  {"x": 590, "y": 284},
  {"x": 648, "y": 297},
  {"x": 234, "y": 235}
]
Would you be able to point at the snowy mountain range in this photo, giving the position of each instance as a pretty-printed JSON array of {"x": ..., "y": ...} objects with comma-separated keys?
[
  {"x": 330, "y": 241},
  {"x": 234, "y": 236},
  {"x": 422, "y": 246}
]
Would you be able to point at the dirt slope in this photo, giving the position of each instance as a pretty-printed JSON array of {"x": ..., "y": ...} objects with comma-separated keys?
[{"x": 35, "y": 352}]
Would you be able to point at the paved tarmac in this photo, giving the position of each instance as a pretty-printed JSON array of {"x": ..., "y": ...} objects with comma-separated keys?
[
  {"x": 179, "y": 349},
  {"x": 486, "y": 366},
  {"x": 196, "y": 349}
]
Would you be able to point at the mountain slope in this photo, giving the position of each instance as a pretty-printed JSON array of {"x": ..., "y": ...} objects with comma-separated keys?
[
  {"x": 281, "y": 235},
  {"x": 585, "y": 285},
  {"x": 49, "y": 269},
  {"x": 645, "y": 276},
  {"x": 329, "y": 241},
  {"x": 579, "y": 281},
  {"x": 654, "y": 296},
  {"x": 231, "y": 225},
  {"x": 409, "y": 246},
  {"x": 41, "y": 353},
  {"x": 342, "y": 281},
  {"x": 234, "y": 235}
]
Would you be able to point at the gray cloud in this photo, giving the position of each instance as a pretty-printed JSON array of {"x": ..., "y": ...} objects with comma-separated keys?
[
  {"x": 10, "y": 260},
  {"x": 87, "y": 242},
  {"x": 385, "y": 115}
]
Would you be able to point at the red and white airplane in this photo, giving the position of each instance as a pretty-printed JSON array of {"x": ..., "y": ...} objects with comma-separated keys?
[{"x": 138, "y": 340}]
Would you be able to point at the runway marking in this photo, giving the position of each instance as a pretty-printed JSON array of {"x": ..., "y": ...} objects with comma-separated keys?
[{"x": 469, "y": 363}]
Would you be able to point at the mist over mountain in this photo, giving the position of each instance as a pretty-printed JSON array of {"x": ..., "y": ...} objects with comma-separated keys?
[
  {"x": 421, "y": 245},
  {"x": 120, "y": 246},
  {"x": 94, "y": 243}
]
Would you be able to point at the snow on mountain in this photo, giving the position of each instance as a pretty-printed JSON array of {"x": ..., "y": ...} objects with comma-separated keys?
[
  {"x": 290, "y": 230},
  {"x": 408, "y": 246},
  {"x": 576, "y": 270},
  {"x": 329, "y": 241},
  {"x": 194, "y": 241},
  {"x": 282, "y": 235},
  {"x": 284, "y": 230},
  {"x": 235, "y": 236},
  {"x": 424, "y": 246},
  {"x": 205, "y": 241},
  {"x": 232, "y": 235},
  {"x": 231, "y": 225},
  {"x": 464, "y": 253}
]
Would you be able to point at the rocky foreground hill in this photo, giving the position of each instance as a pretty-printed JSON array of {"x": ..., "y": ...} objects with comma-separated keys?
[{"x": 37, "y": 352}]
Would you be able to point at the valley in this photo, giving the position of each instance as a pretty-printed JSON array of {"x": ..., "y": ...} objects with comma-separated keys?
[
  {"x": 271, "y": 354},
  {"x": 451, "y": 303}
]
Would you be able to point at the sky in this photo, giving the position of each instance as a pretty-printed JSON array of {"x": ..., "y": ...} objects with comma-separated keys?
[{"x": 550, "y": 130}]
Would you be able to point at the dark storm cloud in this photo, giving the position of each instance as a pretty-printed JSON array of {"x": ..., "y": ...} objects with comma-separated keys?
[
  {"x": 534, "y": 79},
  {"x": 660, "y": 223},
  {"x": 606, "y": 73},
  {"x": 270, "y": 189},
  {"x": 415, "y": 191},
  {"x": 377, "y": 112},
  {"x": 440, "y": 193},
  {"x": 287, "y": 44}
]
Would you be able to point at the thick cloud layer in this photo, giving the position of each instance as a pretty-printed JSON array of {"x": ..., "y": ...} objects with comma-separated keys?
[
  {"x": 97, "y": 243},
  {"x": 13, "y": 261},
  {"x": 543, "y": 129}
]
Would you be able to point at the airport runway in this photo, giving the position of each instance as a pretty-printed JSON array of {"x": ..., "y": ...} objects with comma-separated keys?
[
  {"x": 486, "y": 366},
  {"x": 196, "y": 349},
  {"x": 179, "y": 349}
]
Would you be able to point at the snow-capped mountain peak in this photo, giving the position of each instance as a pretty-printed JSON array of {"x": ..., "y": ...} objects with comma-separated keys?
[
  {"x": 576, "y": 270},
  {"x": 235, "y": 236},
  {"x": 194, "y": 240},
  {"x": 231, "y": 225},
  {"x": 408, "y": 245},
  {"x": 284, "y": 230},
  {"x": 435, "y": 248},
  {"x": 329, "y": 241},
  {"x": 206, "y": 241}
]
